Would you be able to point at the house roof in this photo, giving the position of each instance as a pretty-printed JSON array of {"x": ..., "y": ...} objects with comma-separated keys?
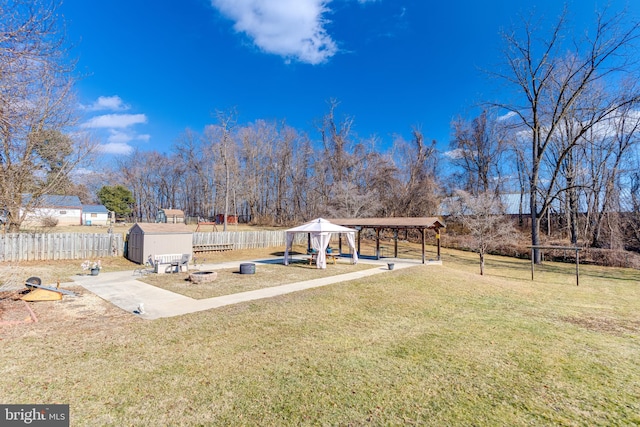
[
  {"x": 394, "y": 222},
  {"x": 54, "y": 201},
  {"x": 94, "y": 209},
  {"x": 161, "y": 228}
]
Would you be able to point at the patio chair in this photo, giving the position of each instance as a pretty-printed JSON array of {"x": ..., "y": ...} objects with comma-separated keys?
[
  {"x": 184, "y": 262},
  {"x": 176, "y": 266}
]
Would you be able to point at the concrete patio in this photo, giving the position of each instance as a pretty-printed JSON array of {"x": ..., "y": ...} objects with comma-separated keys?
[{"x": 123, "y": 290}]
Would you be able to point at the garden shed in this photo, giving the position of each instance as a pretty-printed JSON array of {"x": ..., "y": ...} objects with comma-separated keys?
[
  {"x": 155, "y": 239},
  {"x": 170, "y": 216}
]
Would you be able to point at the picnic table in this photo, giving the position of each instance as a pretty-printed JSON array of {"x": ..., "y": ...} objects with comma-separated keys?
[{"x": 314, "y": 257}]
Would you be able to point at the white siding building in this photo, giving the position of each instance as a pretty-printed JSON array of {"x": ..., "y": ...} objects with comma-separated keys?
[{"x": 95, "y": 215}]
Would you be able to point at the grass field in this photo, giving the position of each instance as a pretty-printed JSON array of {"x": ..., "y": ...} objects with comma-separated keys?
[
  {"x": 427, "y": 345},
  {"x": 228, "y": 281}
]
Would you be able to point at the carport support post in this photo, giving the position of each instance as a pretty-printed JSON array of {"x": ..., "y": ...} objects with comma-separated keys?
[
  {"x": 377, "y": 243},
  {"x": 438, "y": 242},
  {"x": 395, "y": 243},
  {"x": 422, "y": 235},
  {"x": 577, "y": 268}
]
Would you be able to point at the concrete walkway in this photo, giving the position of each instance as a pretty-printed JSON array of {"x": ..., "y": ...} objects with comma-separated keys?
[{"x": 123, "y": 290}]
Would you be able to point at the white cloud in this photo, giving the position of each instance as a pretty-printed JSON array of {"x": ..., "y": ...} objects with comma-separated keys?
[
  {"x": 289, "y": 28},
  {"x": 118, "y": 142},
  {"x": 115, "y": 121},
  {"x": 117, "y": 137},
  {"x": 112, "y": 103},
  {"x": 115, "y": 130},
  {"x": 454, "y": 154},
  {"x": 506, "y": 116},
  {"x": 116, "y": 148}
]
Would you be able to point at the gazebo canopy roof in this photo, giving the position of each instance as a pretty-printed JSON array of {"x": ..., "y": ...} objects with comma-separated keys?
[{"x": 320, "y": 225}]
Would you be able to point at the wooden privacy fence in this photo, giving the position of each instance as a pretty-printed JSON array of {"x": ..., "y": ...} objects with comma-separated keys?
[
  {"x": 245, "y": 239},
  {"x": 52, "y": 246}
]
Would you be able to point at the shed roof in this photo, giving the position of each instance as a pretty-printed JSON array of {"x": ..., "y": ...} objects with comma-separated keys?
[
  {"x": 394, "y": 222},
  {"x": 172, "y": 212},
  {"x": 161, "y": 228}
]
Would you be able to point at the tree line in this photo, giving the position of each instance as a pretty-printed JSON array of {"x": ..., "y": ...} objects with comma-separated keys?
[{"x": 271, "y": 173}]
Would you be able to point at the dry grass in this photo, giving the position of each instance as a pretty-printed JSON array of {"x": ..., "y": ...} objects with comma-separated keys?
[
  {"x": 422, "y": 346},
  {"x": 229, "y": 281}
]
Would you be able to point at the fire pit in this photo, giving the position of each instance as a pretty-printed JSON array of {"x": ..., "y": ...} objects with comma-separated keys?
[{"x": 203, "y": 276}]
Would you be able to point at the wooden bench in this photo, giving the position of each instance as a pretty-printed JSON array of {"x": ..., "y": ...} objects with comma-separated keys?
[
  {"x": 168, "y": 263},
  {"x": 212, "y": 247}
]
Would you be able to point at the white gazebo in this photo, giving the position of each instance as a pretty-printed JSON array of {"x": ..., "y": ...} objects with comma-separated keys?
[{"x": 320, "y": 231}]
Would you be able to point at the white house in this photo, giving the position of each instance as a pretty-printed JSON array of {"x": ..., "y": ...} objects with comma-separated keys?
[
  {"x": 95, "y": 215},
  {"x": 67, "y": 210}
]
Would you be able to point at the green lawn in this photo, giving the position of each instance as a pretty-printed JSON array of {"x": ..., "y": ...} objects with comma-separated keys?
[{"x": 427, "y": 345}]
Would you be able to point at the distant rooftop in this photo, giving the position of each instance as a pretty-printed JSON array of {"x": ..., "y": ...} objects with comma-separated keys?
[
  {"x": 55, "y": 201},
  {"x": 94, "y": 209}
]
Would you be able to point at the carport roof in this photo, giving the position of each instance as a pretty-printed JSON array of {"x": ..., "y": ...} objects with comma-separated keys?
[{"x": 393, "y": 223}]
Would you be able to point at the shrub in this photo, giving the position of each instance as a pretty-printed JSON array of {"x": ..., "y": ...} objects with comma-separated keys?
[{"x": 49, "y": 221}]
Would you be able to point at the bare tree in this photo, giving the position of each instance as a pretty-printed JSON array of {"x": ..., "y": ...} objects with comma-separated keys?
[
  {"x": 337, "y": 140},
  {"x": 222, "y": 138},
  {"x": 139, "y": 173},
  {"x": 551, "y": 79},
  {"x": 300, "y": 174},
  {"x": 198, "y": 177},
  {"x": 610, "y": 144},
  {"x": 477, "y": 148},
  {"x": 417, "y": 164},
  {"x": 632, "y": 223},
  {"x": 256, "y": 157},
  {"x": 36, "y": 107},
  {"x": 482, "y": 216}
]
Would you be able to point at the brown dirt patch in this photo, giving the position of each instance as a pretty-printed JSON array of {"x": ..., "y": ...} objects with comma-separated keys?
[
  {"x": 605, "y": 324},
  {"x": 81, "y": 314},
  {"x": 84, "y": 313}
]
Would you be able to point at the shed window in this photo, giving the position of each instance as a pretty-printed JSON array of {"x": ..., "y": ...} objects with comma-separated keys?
[
  {"x": 63, "y": 212},
  {"x": 94, "y": 215}
]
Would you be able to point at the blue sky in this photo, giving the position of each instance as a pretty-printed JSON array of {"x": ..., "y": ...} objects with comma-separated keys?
[{"x": 149, "y": 70}]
